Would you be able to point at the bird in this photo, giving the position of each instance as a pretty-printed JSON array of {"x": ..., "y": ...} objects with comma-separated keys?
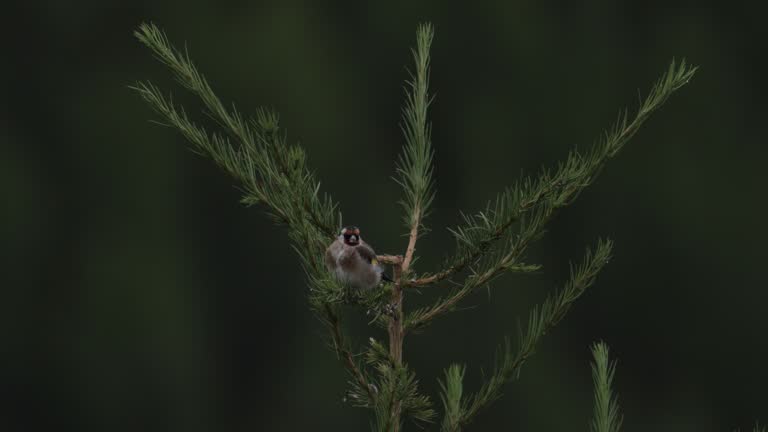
[{"x": 352, "y": 261}]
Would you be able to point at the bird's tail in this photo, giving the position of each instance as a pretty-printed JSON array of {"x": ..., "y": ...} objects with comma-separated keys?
[{"x": 385, "y": 277}]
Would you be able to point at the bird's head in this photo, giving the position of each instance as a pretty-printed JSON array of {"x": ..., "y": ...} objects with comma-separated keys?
[{"x": 350, "y": 235}]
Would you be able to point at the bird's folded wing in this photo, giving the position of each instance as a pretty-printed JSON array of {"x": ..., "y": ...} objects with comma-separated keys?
[{"x": 366, "y": 253}]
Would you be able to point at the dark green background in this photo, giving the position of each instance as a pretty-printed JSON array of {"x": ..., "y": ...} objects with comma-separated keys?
[{"x": 138, "y": 295}]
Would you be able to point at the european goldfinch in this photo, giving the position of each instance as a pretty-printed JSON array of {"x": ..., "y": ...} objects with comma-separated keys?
[{"x": 352, "y": 261}]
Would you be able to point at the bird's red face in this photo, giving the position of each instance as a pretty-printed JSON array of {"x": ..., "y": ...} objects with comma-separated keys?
[{"x": 351, "y": 235}]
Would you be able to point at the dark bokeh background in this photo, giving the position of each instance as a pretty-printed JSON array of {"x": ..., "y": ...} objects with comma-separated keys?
[{"x": 137, "y": 294}]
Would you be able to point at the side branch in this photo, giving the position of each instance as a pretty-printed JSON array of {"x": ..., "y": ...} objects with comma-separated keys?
[
  {"x": 556, "y": 189},
  {"x": 540, "y": 321},
  {"x": 496, "y": 266},
  {"x": 271, "y": 172},
  {"x": 607, "y": 417},
  {"x": 390, "y": 259},
  {"x": 346, "y": 356},
  {"x": 462, "y": 264},
  {"x": 261, "y": 158}
]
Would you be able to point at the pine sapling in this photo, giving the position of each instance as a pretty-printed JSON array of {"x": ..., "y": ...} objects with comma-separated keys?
[{"x": 493, "y": 241}]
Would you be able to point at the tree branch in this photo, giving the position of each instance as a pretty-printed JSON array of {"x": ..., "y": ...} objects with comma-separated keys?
[
  {"x": 556, "y": 189},
  {"x": 505, "y": 262},
  {"x": 263, "y": 161},
  {"x": 347, "y": 357},
  {"x": 540, "y": 321},
  {"x": 390, "y": 259},
  {"x": 607, "y": 417}
]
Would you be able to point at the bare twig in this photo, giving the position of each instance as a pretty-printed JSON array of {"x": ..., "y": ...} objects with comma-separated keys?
[
  {"x": 412, "y": 237},
  {"x": 390, "y": 259}
]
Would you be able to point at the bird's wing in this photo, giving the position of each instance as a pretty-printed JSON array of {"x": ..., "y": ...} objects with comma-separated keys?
[
  {"x": 366, "y": 253},
  {"x": 369, "y": 256}
]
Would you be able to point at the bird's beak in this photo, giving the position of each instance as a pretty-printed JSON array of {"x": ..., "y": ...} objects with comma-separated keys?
[{"x": 353, "y": 238}]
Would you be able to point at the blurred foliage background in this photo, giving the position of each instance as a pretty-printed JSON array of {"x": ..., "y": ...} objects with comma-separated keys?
[{"x": 137, "y": 294}]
